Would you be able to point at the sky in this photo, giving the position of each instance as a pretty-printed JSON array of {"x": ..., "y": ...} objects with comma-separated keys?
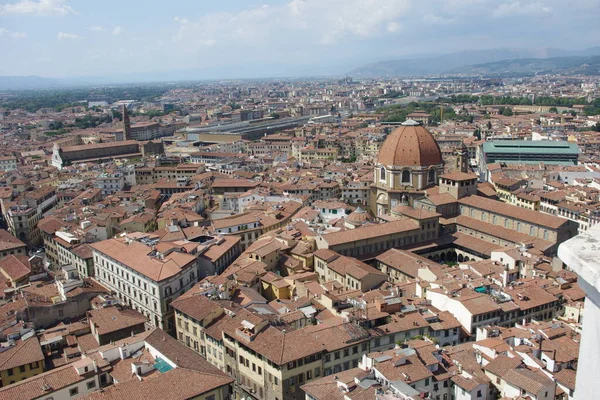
[{"x": 82, "y": 38}]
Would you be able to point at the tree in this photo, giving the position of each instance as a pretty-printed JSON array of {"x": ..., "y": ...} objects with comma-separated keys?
[
  {"x": 553, "y": 110},
  {"x": 489, "y": 125},
  {"x": 477, "y": 134},
  {"x": 508, "y": 112}
]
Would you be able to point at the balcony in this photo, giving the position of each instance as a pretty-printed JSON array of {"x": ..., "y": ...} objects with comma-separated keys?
[{"x": 582, "y": 255}]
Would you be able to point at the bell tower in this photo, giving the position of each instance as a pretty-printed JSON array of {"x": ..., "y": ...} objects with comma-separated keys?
[{"x": 126, "y": 124}]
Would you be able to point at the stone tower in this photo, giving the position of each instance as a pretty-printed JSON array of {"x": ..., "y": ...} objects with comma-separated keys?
[{"x": 126, "y": 124}]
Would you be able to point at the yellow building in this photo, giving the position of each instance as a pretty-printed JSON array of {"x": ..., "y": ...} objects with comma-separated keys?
[{"x": 21, "y": 361}]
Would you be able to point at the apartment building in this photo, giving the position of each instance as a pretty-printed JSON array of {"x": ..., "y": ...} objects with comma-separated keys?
[
  {"x": 8, "y": 163},
  {"x": 26, "y": 211},
  {"x": 348, "y": 271},
  {"x": 143, "y": 278},
  {"x": 270, "y": 361},
  {"x": 110, "y": 183},
  {"x": 180, "y": 172},
  {"x": 20, "y": 361},
  {"x": 69, "y": 381}
]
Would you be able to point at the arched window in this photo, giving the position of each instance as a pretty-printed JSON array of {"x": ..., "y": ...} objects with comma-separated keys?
[
  {"x": 484, "y": 216},
  {"x": 531, "y": 231},
  {"x": 545, "y": 234},
  {"x": 431, "y": 176},
  {"x": 494, "y": 220},
  {"x": 506, "y": 222},
  {"x": 406, "y": 176},
  {"x": 382, "y": 174},
  {"x": 518, "y": 227}
]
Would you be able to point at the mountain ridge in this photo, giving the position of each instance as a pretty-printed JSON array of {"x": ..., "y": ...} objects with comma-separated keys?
[{"x": 444, "y": 63}]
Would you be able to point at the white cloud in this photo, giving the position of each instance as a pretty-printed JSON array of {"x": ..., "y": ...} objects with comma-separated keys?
[
  {"x": 118, "y": 30},
  {"x": 96, "y": 29},
  {"x": 393, "y": 26},
  {"x": 67, "y": 36},
  {"x": 41, "y": 7},
  {"x": 13, "y": 35},
  {"x": 521, "y": 8},
  {"x": 437, "y": 19},
  {"x": 316, "y": 21}
]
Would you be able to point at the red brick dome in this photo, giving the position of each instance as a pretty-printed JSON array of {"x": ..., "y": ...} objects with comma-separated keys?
[{"x": 410, "y": 145}]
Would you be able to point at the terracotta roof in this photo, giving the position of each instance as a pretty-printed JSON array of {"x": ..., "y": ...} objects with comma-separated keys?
[
  {"x": 16, "y": 267},
  {"x": 371, "y": 231},
  {"x": 407, "y": 262},
  {"x": 502, "y": 364},
  {"x": 33, "y": 388},
  {"x": 176, "y": 384},
  {"x": 458, "y": 176},
  {"x": 528, "y": 380},
  {"x": 497, "y": 207},
  {"x": 566, "y": 377},
  {"x": 181, "y": 355},
  {"x": 8, "y": 241},
  {"x": 136, "y": 256},
  {"x": 111, "y": 319},
  {"x": 195, "y": 306}
]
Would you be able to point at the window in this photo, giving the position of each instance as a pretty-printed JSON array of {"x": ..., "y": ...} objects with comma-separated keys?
[
  {"x": 545, "y": 234},
  {"x": 431, "y": 176},
  {"x": 91, "y": 385},
  {"x": 10, "y": 372},
  {"x": 74, "y": 392},
  {"x": 479, "y": 393},
  {"x": 317, "y": 372},
  {"x": 406, "y": 176},
  {"x": 22, "y": 368},
  {"x": 382, "y": 174}
]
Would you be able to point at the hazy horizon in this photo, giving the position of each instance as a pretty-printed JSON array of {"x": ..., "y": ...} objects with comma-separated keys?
[{"x": 72, "y": 39}]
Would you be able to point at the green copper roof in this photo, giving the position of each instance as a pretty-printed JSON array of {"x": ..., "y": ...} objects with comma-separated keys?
[{"x": 526, "y": 147}]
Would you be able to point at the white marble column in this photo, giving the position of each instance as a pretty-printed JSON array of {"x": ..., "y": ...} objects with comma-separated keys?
[{"x": 582, "y": 255}]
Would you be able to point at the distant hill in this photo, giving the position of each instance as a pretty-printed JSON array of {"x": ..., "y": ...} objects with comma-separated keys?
[
  {"x": 27, "y": 82},
  {"x": 438, "y": 64},
  {"x": 528, "y": 66}
]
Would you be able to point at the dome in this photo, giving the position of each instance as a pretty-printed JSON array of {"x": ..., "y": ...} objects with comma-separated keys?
[
  {"x": 410, "y": 145},
  {"x": 359, "y": 216}
]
